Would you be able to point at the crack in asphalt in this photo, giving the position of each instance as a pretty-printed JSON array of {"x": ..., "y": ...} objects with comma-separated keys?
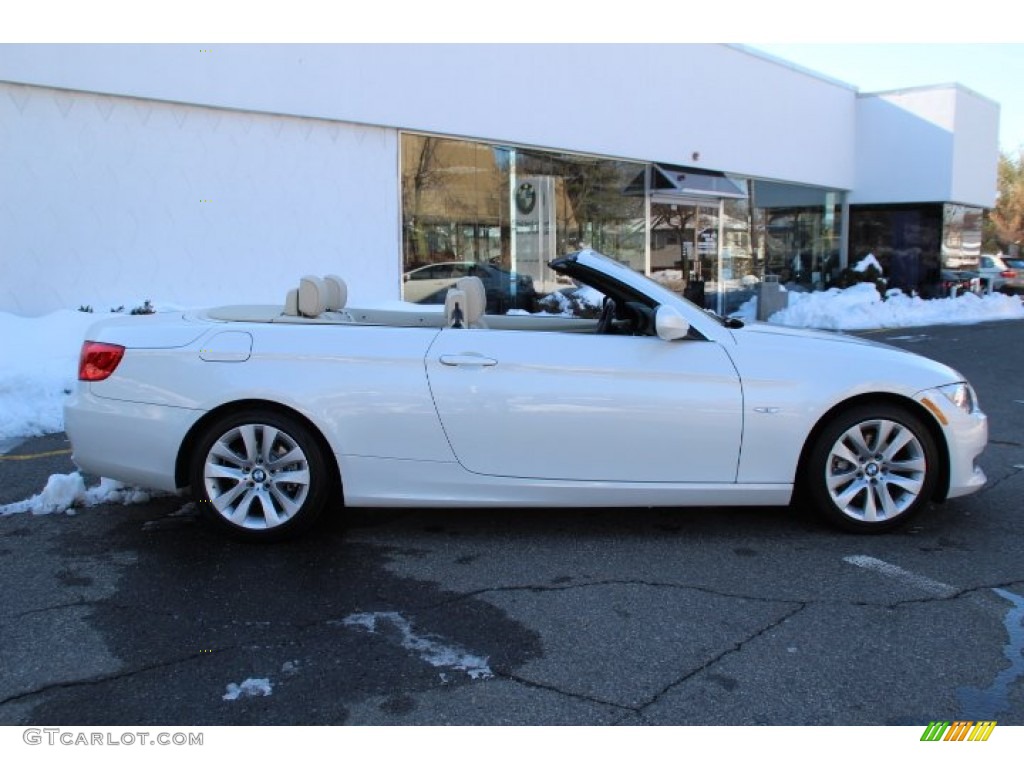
[
  {"x": 330, "y": 622},
  {"x": 555, "y": 689},
  {"x": 736, "y": 648},
  {"x": 313, "y": 624},
  {"x": 86, "y": 602},
  {"x": 46, "y": 609},
  {"x": 603, "y": 583},
  {"x": 108, "y": 678},
  {"x": 960, "y": 593},
  {"x": 992, "y": 485},
  {"x": 630, "y": 710}
]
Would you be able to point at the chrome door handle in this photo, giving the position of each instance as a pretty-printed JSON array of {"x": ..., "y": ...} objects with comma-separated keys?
[{"x": 468, "y": 359}]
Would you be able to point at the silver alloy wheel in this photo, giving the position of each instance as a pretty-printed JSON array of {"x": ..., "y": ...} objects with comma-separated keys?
[
  {"x": 876, "y": 470},
  {"x": 256, "y": 476}
]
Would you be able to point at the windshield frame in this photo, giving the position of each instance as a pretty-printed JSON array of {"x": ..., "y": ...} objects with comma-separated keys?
[{"x": 593, "y": 268}]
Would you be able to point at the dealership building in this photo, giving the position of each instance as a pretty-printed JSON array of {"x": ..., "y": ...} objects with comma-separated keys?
[{"x": 219, "y": 175}]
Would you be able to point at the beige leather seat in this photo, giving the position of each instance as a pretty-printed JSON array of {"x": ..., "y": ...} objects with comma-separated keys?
[
  {"x": 465, "y": 303},
  {"x": 316, "y": 295},
  {"x": 455, "y": 309},
  {"x": 312, "y": 296},
  {"x": 291, "y": 302},
  {"x": 337, "y": 293}
]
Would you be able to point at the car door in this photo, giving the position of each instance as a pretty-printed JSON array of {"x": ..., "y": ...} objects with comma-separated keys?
[{"x": 587, "y": 407}]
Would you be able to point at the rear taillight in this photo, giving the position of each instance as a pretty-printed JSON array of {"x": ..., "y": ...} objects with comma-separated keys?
[
  {"x": 98, "y": 360},
  {"x": 1007, "y": 273}
]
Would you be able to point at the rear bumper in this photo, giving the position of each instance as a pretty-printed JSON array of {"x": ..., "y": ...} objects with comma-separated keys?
[{"x": 135, "y": 443}]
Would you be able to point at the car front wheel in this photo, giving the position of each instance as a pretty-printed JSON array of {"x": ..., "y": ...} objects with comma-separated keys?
[
  {"x": 872, "y": 468},
  {"x": 260, "y": 475}
]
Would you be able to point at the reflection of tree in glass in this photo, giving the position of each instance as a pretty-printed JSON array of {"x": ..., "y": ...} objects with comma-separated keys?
[
  {"x": 451, "y": 197},
  {"x": 592, "y": 210},
  {"x": 678, "y": 219}
]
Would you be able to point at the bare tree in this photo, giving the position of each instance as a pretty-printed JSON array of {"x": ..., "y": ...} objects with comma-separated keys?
[
  {"x": 421, "y": 177},
  {"x": 678, "y": 219}
]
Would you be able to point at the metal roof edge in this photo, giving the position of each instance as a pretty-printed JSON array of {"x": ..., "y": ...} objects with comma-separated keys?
[
  {"x": 933, "y": 87},
  {"x": 765, "y": 56}
]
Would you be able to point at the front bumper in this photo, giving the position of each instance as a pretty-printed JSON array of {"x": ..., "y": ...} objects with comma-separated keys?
[{"x": 966, "y": 437}]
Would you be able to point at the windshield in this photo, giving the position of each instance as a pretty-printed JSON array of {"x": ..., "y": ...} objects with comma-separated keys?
[{"x": 595, "y": 268}]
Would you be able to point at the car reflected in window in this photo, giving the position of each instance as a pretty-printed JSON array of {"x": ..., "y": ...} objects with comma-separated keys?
[{"x": 505, "y": 290}]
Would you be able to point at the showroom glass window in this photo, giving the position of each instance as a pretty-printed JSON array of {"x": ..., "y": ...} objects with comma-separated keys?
[
  {"x": 905, "y": 239},
  {"x": 961, "y": 236},
  {"x": 740, "y": 267},
  {"x": 509, "y": 211},
  {"x": 918, "y": 245},
  {"x": 799, "y": 232}
]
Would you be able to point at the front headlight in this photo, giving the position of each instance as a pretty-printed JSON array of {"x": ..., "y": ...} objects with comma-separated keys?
[{"x": 961, "y": 395}]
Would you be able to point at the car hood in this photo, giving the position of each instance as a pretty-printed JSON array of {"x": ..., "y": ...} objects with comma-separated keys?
[
  {"x": 805, "y": 333},
  {"x": 837, "y": 355}
]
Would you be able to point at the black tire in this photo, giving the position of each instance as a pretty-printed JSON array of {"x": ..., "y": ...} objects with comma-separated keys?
[
  {"x": 872, "y": 468},
  {"x": 260, "y": 475}
]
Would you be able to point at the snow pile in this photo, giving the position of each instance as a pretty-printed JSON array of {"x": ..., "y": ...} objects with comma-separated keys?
[
  {"x": 590, "y": 297},
  {"x": 40, "y": 364},
  {"x": 868, "y": 261},
  {"x": 860, "y": 307},
  {"x": 254, "y": 686},
  {"x": 567, "y": 303},
  {"x": 667, "y": 275},
  {"x": 62, "y": 492}
]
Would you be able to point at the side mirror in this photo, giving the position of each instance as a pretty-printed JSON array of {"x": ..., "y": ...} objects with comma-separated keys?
[{"x": 670, "y": 323}]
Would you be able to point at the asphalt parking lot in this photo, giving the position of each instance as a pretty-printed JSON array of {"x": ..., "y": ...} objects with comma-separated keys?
[{"x": 141, "y": 614}]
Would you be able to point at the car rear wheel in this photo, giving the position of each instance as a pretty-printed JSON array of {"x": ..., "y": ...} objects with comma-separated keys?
[
  {"x": 260, "y": 475},
  {"x": 872, "y": 468}
]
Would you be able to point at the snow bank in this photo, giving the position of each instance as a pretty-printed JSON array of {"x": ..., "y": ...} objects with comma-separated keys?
[
  {"x": 40, "y": 364},
  {"x": 860, "y": 307},
  {"x": 867, "y": 262},
  {"x": 568, "y": 302},
  {"x": 63, "y": 492}
]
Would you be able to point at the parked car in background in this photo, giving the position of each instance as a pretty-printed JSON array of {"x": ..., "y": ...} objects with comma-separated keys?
[
  {"x": 1002, "y": 274},
  {"x": 505, "y": 290},
  {"x": 1015, "y": 264},
  {"x": 956, "y": 282}
]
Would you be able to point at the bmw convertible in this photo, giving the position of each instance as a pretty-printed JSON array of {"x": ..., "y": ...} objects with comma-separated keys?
[{"x": 273, "y": 414}]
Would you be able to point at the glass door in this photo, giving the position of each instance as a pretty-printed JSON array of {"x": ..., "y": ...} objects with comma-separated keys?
[{"x": 684, "y": 244}]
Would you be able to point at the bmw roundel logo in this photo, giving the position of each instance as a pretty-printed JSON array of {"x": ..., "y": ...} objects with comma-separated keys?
[{"x": 526, "y": 198}]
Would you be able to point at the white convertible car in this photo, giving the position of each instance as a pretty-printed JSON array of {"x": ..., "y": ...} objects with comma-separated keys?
[{"x": 272, "y": 414}]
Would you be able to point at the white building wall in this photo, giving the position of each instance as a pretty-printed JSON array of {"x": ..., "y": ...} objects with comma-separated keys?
[
  {"x": 975, "y": 150},
  {"x": 935, "y": 144},
  {"x": 106, "y": 200},
  {"x": 740, "y": 112},
  {"x": 108, "y": 152}
]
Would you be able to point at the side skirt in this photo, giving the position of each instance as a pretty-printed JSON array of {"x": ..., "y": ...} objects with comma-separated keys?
[{"x": 376, "y": 482}]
